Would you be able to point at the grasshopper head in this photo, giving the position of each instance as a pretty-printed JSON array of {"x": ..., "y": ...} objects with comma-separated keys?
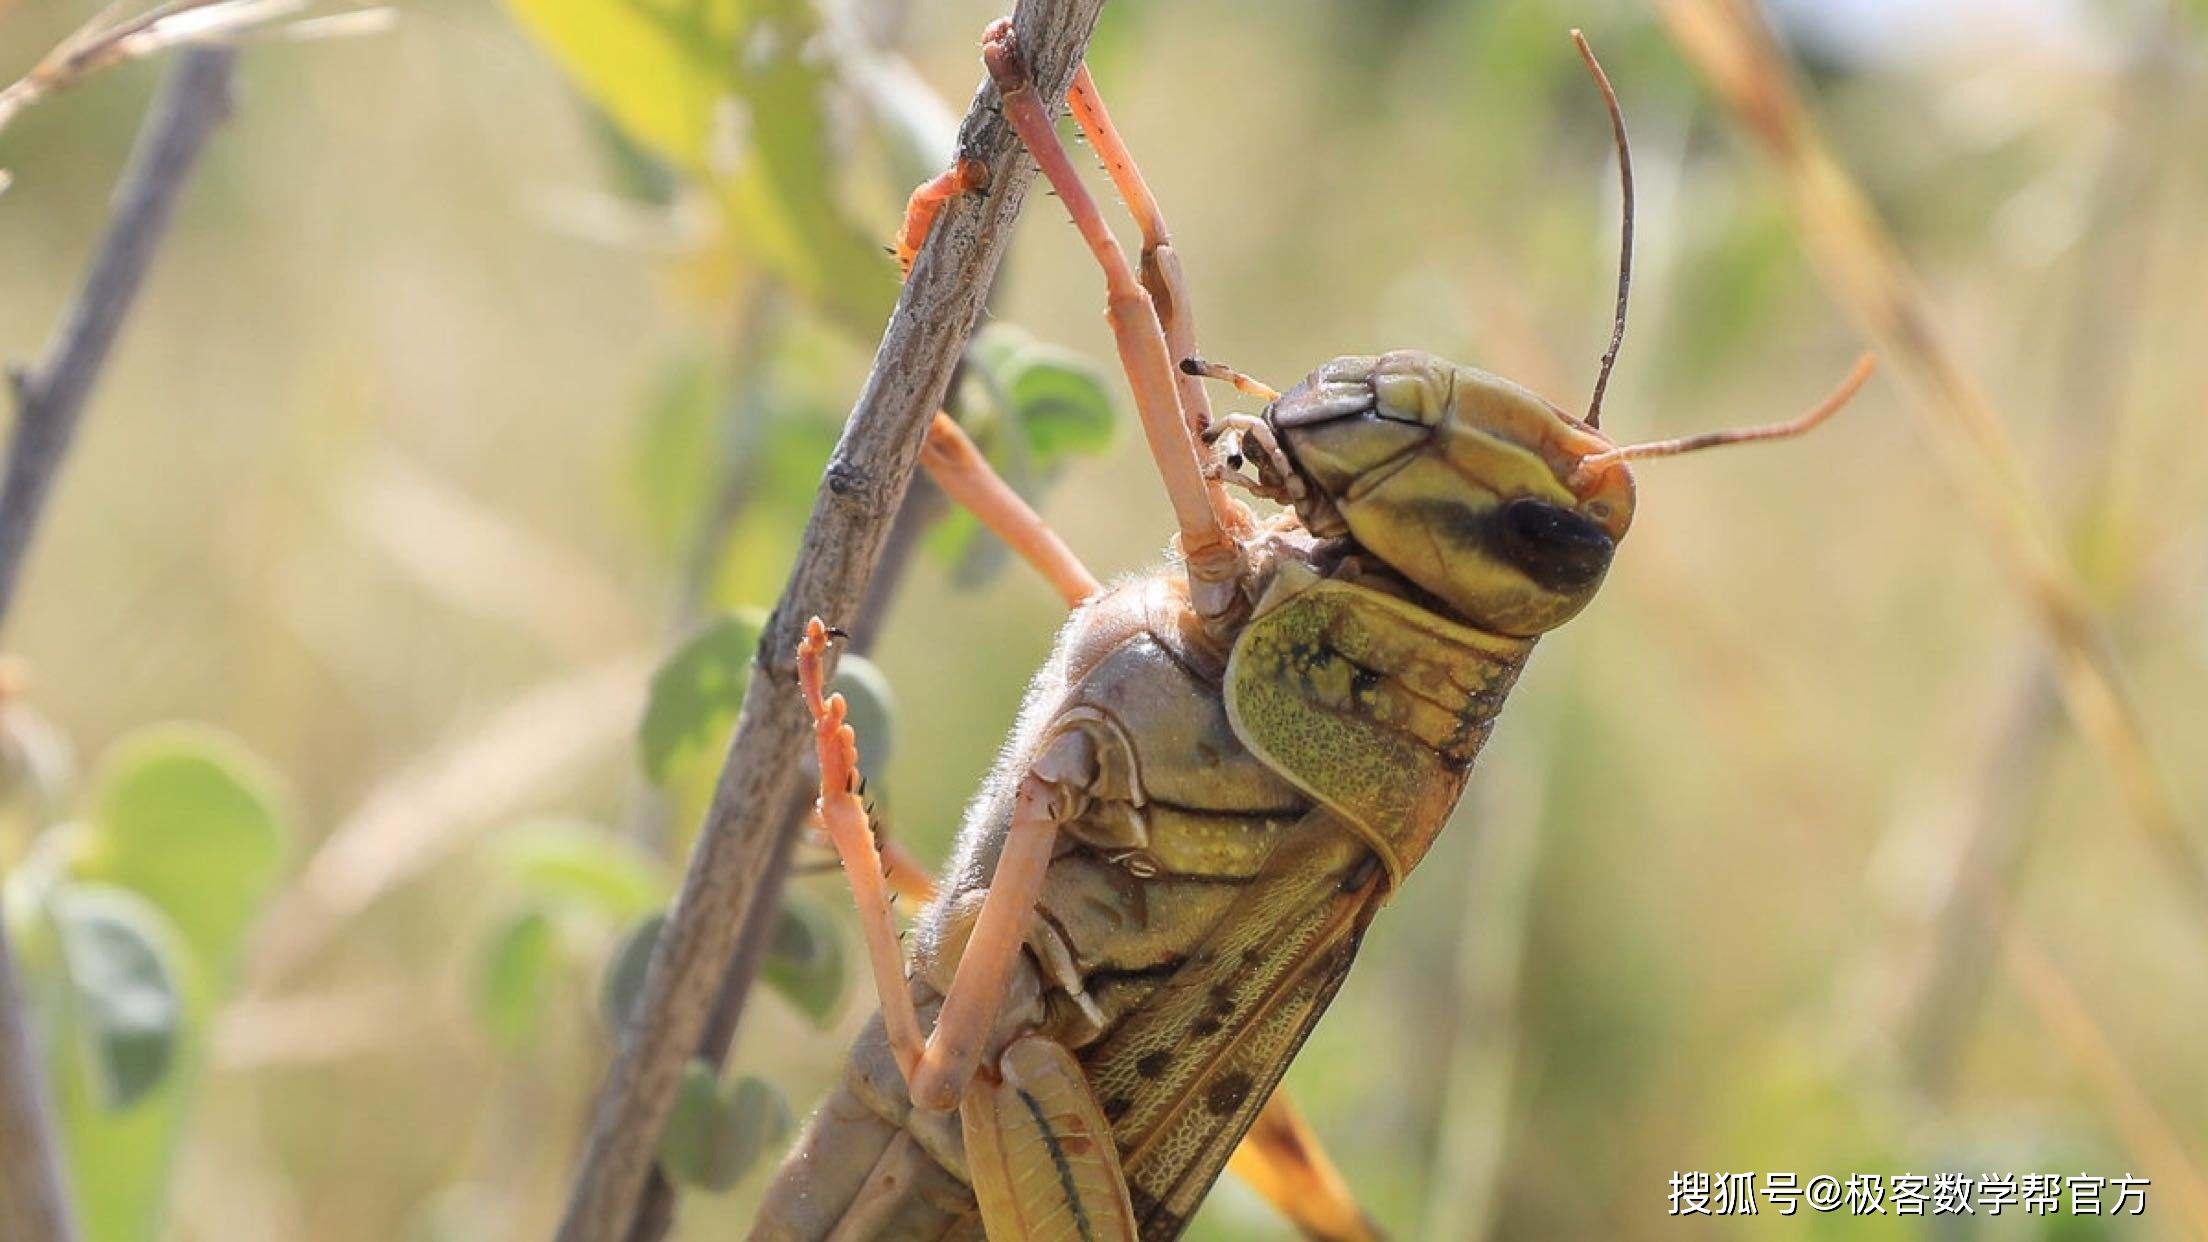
[
  {"x": 1466, "y": 484},
  {"x": 1499, "y": 504}
]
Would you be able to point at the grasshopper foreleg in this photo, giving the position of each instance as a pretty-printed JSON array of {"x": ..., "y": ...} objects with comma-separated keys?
[{"x": 1206, "y": 517}]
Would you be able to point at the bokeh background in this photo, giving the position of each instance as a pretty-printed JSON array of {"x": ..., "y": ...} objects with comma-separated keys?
[{"x": 458, "y": 402}]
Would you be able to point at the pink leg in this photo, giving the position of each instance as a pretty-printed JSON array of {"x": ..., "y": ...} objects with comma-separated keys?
[
  {"x": 927, "y": 202},
  {"x": 939, "y": 1066},
  {"x": 969, "y": 1013},
  {"x": 1161, "y": 264},
  {"x": 843, "y": 817},
  {"x": 1201, "y": 511},
  {"x": 957, "y": 466}
]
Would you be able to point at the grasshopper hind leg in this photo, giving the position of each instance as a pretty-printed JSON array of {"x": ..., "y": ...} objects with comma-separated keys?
[{"x": 1040, "y": 1152}]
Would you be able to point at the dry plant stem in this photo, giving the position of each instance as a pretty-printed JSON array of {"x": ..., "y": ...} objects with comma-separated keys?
[
  {"x": 1874, "y": 283},
  {"x": 1483, "y": 1053},
  {"x": 50, "y": 397},
  {"x": 1943, "y": 1000},
  {"x": 108, "y": 40},
  {"x": 439, "y": 802},
  {"x": 34, "y": 1198},
  {"x": 2100, "y": 337},
  {"x": 859, "y": 496},
  {"x": 50, "y": 400},
  {"x": 2070, "y": 1021}
]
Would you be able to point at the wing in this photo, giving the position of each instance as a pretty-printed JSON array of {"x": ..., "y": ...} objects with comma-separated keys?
[{"x": 1185, "y": 1075}]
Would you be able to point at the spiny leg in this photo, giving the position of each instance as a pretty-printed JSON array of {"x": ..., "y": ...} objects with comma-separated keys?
[
  {"x": 957, "y": 466},
  {"x": 938, "y": 1067},
  {"x": 906, "y": 875},
  {"x": 843, "y": 817},
  {"x": 1161, "y": 263},
  {"x": 969, "y": 1014},
  {"x": 1200, "y": 509}
]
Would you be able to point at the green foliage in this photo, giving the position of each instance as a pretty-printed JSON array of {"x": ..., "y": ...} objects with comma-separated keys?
[
  {"x": 571, "y": 885},
  {"x": 726, "y": 92},
  {"x": 1054, "y": 397},
  {"x": 717, "y": 1132},
  {"x": 696, "y": 693},
  {"x": 623, "y": 981},
  {"x": 137, "y": 914},
  {"x": 580, "y": 865},
  {"x": 676, "y": 459},
  {"x": 805, "y": 962},
  {"x": 1031, "y": 407},
  {"x": 187, "y": 817},
  {"x": 127, "y": 1003},
  {"x": 515, "y": 981}
]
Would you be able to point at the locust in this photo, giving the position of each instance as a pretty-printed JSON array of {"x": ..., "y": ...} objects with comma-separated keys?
[{"x": 1223, "y": 772}]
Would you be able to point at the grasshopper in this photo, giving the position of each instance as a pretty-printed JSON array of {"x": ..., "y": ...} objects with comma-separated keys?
[{"x": 1222, "y": 773}]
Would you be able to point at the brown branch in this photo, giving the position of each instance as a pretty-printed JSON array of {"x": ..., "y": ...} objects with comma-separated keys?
[
  {"x": 655, "y": 1212},
  {"x": 50, "y": 401},
  {"x": 860, "y": 494}
]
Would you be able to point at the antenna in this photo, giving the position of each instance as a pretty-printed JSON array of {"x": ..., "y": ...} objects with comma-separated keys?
[
  {"x": 1625, "y": 243},
  {"x": 1823, "y": 410}
]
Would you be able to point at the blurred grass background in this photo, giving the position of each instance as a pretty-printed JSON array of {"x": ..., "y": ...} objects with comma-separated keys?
[{"x": 397, "y": 472}]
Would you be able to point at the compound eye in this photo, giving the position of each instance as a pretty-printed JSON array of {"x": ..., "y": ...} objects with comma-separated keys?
[{"x": 1559, "y": 549}]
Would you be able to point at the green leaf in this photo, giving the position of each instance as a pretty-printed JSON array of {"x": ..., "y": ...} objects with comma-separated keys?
[
  {"x": 623, "y": 982},
  {"x": 716, "y": 1134},
  {"x": 557, "y": 861},
  {"x": 728, "y": 92},
  {"x": 790, "y": 190},
  {"x": 676, "y": 458},
  {"x": 187, "y": 818},
  {"x": 1061, "y": 403},
  {"x": 696, "y": 693},
  {"x": 873, "y": 710},
  {"x": 654, "y": 69},
  {"x": 127, "y": 1005},
  {"x": 1057, "y": 398},
  {"x": 805, "y": 961},
  {"x": 184, "y": 817},
  {"x": 515, "y": 979}
]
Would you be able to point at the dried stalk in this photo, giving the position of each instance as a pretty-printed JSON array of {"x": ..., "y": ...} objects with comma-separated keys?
[
  {"x": 109, "y": 39},
  {"x": 2069, "y": 1019},
  {"x": 1871, "y": 279},
  {"x": 1943, "y": 1001},
  {"x": 50, "y": 399},
  {"x": 860, "y": 494},
  {"x": 435, "y": 805}
]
